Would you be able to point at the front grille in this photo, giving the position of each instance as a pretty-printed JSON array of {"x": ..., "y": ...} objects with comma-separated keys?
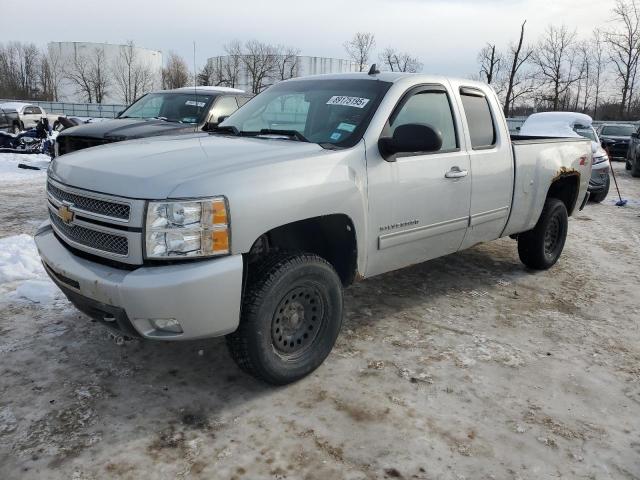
[
  {"x": 101, "y": 207},
  {"x": 102, "y": 241},
  {"x": 71, "y": 144}
]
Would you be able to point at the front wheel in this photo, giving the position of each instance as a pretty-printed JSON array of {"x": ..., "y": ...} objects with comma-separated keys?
[
  {"x": 541, "y": 247},
  {"x": 291, "y": 317}
]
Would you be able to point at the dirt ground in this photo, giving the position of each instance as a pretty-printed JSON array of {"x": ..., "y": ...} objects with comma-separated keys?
[{"x": 467, "y": 367}]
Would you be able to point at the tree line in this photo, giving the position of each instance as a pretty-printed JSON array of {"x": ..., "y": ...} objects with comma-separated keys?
[{"x": 561, "y": 71}]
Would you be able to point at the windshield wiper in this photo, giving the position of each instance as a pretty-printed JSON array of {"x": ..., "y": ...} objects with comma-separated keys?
[{"x": 287, "y": 133}]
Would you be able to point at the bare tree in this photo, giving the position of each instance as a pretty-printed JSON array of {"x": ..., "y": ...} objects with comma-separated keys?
[
  {"x": 233, "y": 65},
  {"x": 491, "y": 62},
  {"x": 599, "y": 66},
  {"x": 553, "y": 58},
  {"x": 132, "y": 76},
  {"x": 176, "y": 73},
  {"x": 78, "y": 73},
  {"x": 517, "y": 83},
  {"x": 99, "y": 75},
  {"x": 260, "y": 61},
  {"x": 359, "y": 48},
  {"x": 399, "y": 62},
  {"x": 20, "y": 69},
  {"x": 54, "y": 67},
  {"x": 624, "y": 46},
  {"x": 287, "y": 62}
]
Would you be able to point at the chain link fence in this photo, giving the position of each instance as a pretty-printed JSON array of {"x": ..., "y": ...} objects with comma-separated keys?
[{"x": 92, "y": 110}]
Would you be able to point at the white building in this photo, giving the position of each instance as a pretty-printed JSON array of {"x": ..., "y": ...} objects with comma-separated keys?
[
  {"x": 302, "y": 66},
  {"x": 69, "y": 57}
]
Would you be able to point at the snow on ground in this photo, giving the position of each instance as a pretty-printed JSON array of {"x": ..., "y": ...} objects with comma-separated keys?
[
  {"x": 22, "y": 276},
  {"x": 10, "y": 173}
]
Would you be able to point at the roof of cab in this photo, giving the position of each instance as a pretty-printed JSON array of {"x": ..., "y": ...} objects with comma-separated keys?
[
  {"x": 392, "y": 77},
  {"x": 206, "y": 89}
]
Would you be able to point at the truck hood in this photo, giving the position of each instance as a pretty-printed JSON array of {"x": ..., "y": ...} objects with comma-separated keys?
[
  {"x": 152, "y": 168},
  {"x": 126, "y": 128}
]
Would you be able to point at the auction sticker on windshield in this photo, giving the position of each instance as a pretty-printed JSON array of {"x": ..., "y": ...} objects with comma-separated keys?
[{"x": 356, "y": 102}]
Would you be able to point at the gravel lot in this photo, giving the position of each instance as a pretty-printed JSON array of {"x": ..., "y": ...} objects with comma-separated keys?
[{"x": 467, "y": 367}]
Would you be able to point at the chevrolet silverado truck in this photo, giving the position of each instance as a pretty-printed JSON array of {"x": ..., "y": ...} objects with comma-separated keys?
[{"x": 254, "y": 230}]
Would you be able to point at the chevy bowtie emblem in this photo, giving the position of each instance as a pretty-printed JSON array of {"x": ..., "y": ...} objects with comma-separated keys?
[{"x": 65, "y": 214}]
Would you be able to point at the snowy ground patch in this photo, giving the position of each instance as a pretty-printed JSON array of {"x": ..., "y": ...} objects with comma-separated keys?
[
  {"x": 22, "y": 277},
  {"x": 10, "y": 173}
]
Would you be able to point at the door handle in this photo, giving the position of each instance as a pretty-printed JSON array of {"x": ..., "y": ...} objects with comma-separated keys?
[{"x": 455, "y": 172}]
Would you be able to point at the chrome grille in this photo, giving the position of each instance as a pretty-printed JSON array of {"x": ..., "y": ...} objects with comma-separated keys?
[
  {"x": 95, "y": 239},
  {"x": 101, "y": 207}
]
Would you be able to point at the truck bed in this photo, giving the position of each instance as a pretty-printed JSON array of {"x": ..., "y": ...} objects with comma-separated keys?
[{"x": 538, "y": 161}]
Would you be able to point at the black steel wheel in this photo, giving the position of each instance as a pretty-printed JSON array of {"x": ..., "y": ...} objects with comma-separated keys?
[
  {"x": 291, "y": 317},
  {"x": 541, "y": 247}
]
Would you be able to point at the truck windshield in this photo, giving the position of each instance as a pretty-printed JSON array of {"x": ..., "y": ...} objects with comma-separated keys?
[
  {"x": 172, "y": 107},
  {"x": 332, "y": 113}
]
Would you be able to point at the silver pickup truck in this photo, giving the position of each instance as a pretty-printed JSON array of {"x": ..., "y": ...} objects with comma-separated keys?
[{"x": 254, "y": 230}]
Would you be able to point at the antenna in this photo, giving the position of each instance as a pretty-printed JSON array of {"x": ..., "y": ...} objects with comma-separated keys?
[
  {"x": 195, "y": 85},
  {"x": 373, "y": 70}
]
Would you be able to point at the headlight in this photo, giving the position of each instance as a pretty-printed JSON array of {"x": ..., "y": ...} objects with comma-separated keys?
[
  {"x": 600, "y": 159},
  {"x": 189, "y": 228}
]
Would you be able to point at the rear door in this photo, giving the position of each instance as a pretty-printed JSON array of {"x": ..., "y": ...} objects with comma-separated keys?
[
  {"x": 418, "y": 209},
  {"x": 491, "y": 165}
]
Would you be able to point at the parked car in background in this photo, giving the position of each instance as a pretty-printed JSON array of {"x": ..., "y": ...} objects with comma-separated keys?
[
  {"x": 615, "y": 139},
  {"x": 9, "y": 120},
  {"x": 633, "y": 154},
  {"x": 28, "y": 114},
  {"x": 166, "y": 112},
  {"x": 254, "y": 230},
  {"x": 569, "y": 124}
]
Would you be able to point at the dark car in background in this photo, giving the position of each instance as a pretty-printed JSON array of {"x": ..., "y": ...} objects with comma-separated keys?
[
  {"x": 9, "y": 120},
  {"x": 615, "y": 139},
  {"x": 166, "y": 112}
]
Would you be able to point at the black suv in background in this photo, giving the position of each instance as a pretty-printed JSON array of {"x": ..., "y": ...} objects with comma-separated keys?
[
  {"x": 166, "y": 112},
  {"x": 615, "y": 139},
  {"x": 9, "y": 121}
]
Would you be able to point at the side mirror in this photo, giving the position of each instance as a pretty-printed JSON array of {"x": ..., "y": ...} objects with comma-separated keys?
[
  {"x": 409, "y": 138},
  {"x": 212, "y": 123}
]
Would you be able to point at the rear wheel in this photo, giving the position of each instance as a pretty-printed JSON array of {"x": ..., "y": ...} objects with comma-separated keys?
[
  {"x": 541, "y": 247},
  {"x": 291, "y": 317},
  {"x": 15, "y": 129}
]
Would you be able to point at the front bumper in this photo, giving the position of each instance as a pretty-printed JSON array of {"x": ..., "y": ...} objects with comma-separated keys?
[
  {"x": 203, "y": 296},
  {"x": 617, "y": 150},
  {"x": 599, "y": 180}
]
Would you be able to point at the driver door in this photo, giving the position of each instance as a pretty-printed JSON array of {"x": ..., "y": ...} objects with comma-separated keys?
[{"x": 419, "y": 203}]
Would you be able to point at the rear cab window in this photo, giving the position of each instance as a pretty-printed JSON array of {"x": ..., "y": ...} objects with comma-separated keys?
[{"x": 482, "y": 128}]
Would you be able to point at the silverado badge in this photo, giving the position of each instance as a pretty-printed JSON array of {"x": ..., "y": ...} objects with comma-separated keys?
[{"x": 65, "y": 214}]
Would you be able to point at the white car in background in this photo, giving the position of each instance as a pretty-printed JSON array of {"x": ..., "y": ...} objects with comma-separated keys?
[
  {"x": 569, "y": 124},
  {"x": 28, "y": 113}
]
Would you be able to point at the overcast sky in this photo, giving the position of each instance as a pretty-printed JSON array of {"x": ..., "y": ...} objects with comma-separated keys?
[{"x": 445, "y": 35}]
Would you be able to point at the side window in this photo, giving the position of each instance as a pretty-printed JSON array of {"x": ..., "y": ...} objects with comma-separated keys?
[
  {"x": 479, "y": 119},
  {"x": 433, "y": 108},
  {"x": 27, "y": 111},
  {"x": 242, "y": 100},
  {"x": 223, "y": 107},
  {"x": 37, "y": 111}
]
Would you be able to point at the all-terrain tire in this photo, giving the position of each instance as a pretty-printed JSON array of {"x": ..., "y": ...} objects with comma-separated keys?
[
  {"x": 600, "y": 196},
  {"x": 541, "y": 247},
  {"x": 291, "y": 317}
]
